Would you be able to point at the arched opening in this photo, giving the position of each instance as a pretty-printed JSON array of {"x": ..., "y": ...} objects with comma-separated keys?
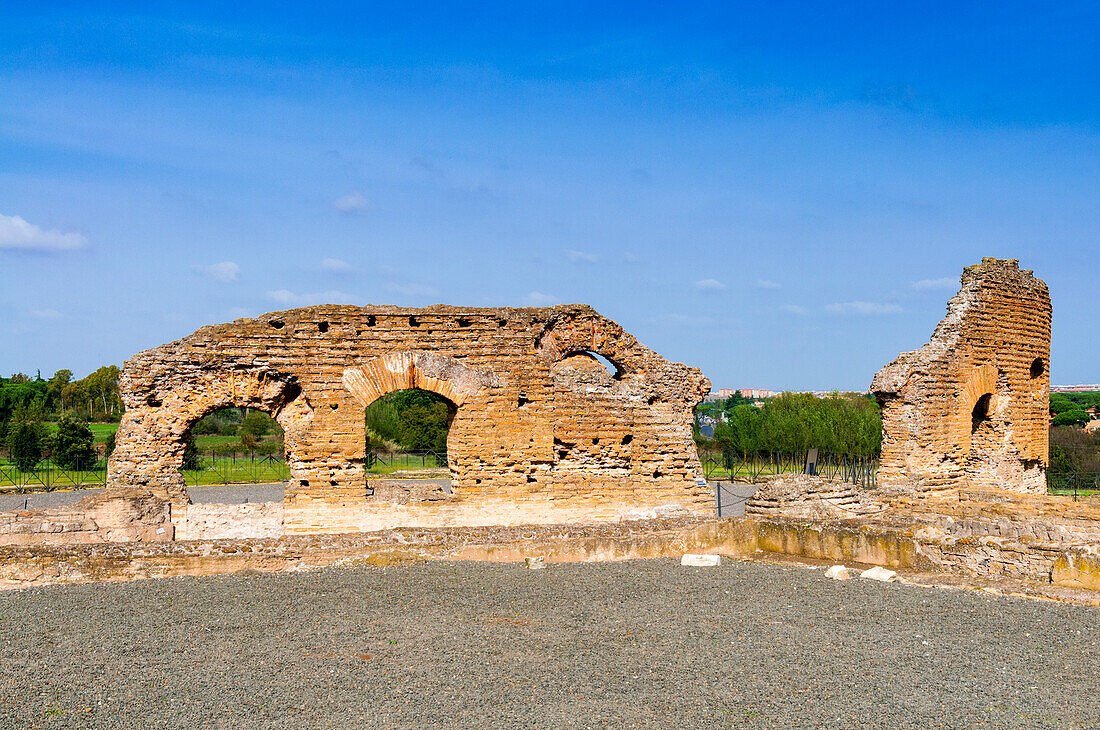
[
  {"x": 980, "y": 415},
  {"x": 1038, "y": 367},
  {"x": 406, "y": 434},
  {"x": 234, "y": 455},
  {"x": 591, "y": 361}
]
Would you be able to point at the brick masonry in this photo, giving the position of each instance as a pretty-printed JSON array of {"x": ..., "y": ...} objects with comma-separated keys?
[
  {"x": 970, "y": 408},
  {"x": 542, "y": 431}
]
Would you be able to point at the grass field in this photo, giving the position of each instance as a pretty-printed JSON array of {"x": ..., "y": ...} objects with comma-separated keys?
[{"x": 101, "y": 430}]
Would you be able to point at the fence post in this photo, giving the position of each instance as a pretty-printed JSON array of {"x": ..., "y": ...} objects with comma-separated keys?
[{"x": 718, "y": 495}]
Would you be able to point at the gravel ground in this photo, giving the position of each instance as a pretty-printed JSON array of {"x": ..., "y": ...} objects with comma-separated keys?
[
  {"x": 456, "y": 645},
  {"x": 214, "y": 493},
  {"x": 237, "y": 493},
  {"x": 43, "y": 500}
]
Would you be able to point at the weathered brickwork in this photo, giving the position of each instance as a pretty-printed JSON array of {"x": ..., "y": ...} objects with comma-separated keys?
[
  {"x": 970, "y": 408},
  {"x": 542, "y": 432}
]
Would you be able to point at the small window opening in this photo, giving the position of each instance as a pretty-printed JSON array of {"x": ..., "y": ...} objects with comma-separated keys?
[
  {"x": 277, "y": 323},
  {"x": 371, "y": 320},
  {"x": 980, "y": 413},
  {"x": 1038, "y": 367},
  {"x": 323, "y": 326},
  {"x": 413, "y": 322}
]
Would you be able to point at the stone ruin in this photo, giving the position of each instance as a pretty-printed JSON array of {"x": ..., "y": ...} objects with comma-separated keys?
[
  {"x": 970, "y": 408},
  {"x": 542, "y": 432}
]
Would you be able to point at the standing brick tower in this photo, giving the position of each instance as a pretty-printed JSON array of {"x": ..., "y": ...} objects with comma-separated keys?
[{"x": 970, "y": 408}]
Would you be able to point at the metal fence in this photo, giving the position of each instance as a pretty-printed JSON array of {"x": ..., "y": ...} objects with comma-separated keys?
[
  {"x": 381, "y": 462},
  {"x": 752, "y": 467},
  {"x": 231, "y": 468},
  {"x": 1075, "y": 484},
  {"x": 48, "y": 476}
]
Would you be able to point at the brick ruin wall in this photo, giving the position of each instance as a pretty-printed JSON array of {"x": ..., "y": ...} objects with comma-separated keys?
[
  {"x": 542, "y": 432},
  {"x": 970, "y": 408}
]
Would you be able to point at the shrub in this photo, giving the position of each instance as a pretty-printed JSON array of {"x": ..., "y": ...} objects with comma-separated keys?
[{"x": 71, "y": 447}]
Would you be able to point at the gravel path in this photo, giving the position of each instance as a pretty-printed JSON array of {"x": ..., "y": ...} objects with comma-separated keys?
[
  {"x": 44, "y": 500},
  {"x": 457, "y": 645},
  {"x": 214, "y": 493}
]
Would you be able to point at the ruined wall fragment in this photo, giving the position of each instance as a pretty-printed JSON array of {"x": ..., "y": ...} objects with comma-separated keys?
[
  {"x": 538, "y": 435},
  {"x": 970, "y": 408}
]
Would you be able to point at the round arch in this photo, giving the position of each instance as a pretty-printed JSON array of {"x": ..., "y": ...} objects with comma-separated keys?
[{"x": 149, "y": 447}]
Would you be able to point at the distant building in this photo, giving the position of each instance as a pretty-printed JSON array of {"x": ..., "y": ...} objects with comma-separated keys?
[
  {"x": 1075, "y": 388},
  {"x": 758, "y": 393}
]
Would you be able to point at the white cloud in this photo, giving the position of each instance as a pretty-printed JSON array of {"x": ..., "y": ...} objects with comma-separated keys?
[
  {"x": 353, "y": 202},
  {"x": 336, "y": 266},
  {"x": 630, "y": 258},
  {"x": 794, "y": 309},
  {"x": 862, "y": 308},
  {"x": 412, "y": 290},
  {"x": 225, "y": 272},
  {"x": 706, "y": 284},
  {"x": 18, "y": 234},
  {"x": 46, "y": 313},
  {"x": 947, "y": 282},
  {"x": 584, "y": 256},
  {"x": 332, "y": 296},
  {"x": 765, "y": 284},
  {"x": 538, "y": 299}
]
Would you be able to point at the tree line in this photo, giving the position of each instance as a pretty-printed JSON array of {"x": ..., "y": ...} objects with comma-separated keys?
[
  {"x": 27, "y": 404},
  {"x": 1072, "y": 409},
  {"x": 95, "y": 397},
  {"x": 846, "y": 423}
]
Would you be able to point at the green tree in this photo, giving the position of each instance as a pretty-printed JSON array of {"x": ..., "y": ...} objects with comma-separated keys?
[
  {"x": 1075, "y": 416},
  {"x": 26, "y": 434},
  {"x": 71, "y": 445},
  {"x": 424, "y": 426},
  {"x": 55, "y": 388},
  {"x": 257, "y": 424},
  {"x": 740, "y": 432}
]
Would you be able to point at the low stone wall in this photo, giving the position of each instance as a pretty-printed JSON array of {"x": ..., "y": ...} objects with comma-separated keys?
[
  {"x": 211, "y": 521},
  {"x": 924, "y": 550},
  {"x": 138, "y": 517}
]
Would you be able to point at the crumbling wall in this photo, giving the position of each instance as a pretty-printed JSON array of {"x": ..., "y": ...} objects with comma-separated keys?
[
  {"x": 542, "y": 432},
  {"x": 970, "y": 408}
]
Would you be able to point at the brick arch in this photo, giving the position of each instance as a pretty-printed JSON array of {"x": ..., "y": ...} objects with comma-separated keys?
[
  {"x": 149, "y": 443},
  {"x": 981, "y": 382},
  {"x": 571, "y": 336},
  {"x": 440, "y": 374}
]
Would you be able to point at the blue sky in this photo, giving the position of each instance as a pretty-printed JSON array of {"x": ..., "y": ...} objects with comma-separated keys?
[{"x": 783, "y": 194}]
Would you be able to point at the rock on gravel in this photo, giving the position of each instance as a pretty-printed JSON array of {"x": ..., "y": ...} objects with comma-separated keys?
[
  {"x": 879, "y": 573},
  {"x": 477, "y": 645},
  {"x": 701, "y": 561}
]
